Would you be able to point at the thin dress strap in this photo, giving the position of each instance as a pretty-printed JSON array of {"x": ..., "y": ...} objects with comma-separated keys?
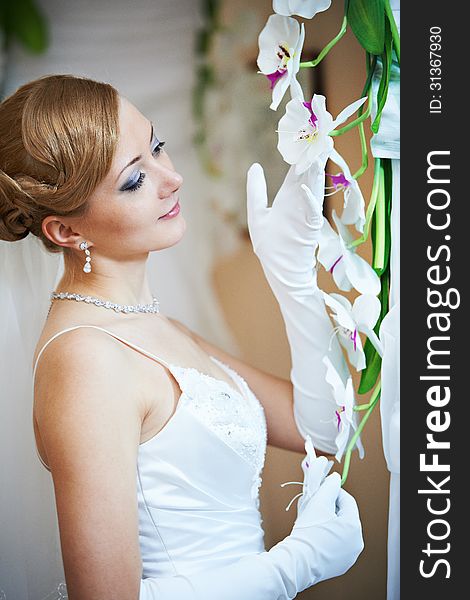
[
  {"x": 132, "y": 345},
  {"x": 114, "y": 335}
]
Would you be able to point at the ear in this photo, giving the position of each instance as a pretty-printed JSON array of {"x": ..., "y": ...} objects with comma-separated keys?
[{"x": 60, "y": 233}]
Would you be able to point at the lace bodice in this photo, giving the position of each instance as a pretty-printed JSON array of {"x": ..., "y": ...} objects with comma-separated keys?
[{"x": 235, "y": 418}]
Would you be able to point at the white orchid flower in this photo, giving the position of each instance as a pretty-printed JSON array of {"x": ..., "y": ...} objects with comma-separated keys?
[
  {"x": 347, "y": 268},
  {"x": 353, "y": 208},
  {"x": 303, "y": 130},
  {"x": 352, "y": 319},
  {"x": 344, "y": 414},
  {"x": 315, "y": 469},
  {"x": 280, "y": 47},
  {"x": 303, "y": 8}
]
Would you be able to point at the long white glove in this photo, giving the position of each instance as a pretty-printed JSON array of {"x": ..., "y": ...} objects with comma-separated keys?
[
  {"x": 325, "y": 542},
  {"x": 284, "y": 237}
]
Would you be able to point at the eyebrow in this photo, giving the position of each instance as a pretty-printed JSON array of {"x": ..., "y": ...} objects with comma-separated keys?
[{"x": 137, "y": 158}]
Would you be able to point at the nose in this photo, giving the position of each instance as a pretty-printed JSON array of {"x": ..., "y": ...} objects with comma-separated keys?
[{"x": 170, "y": 183}]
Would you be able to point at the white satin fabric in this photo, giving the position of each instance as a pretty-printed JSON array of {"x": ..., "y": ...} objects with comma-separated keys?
[{"x": 198, "y": 479}]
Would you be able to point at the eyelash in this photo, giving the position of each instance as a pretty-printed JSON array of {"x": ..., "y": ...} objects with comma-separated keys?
[{"x": 134, "y": 187}]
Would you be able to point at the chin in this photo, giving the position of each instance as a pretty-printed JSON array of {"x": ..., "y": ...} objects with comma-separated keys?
[{"x": 176, "y": 231}]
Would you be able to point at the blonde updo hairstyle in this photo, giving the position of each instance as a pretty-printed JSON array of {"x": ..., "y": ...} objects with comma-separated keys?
[{"x": 58, "y": 136}]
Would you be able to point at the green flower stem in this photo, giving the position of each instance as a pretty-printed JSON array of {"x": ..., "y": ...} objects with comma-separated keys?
[
  {"x": 362, "y": 137},
  {"x": 365, "y": 156},
  {"x": 379, "y": 250},
  {"x": 370, "y": 207},
  {"x": 356, "y": 121},
  {"x": 327, "y": 48},
  {"x": 394, "y": 29},
  {"x": 371, "y": 402},
  {"x": 347, "y": 457}
]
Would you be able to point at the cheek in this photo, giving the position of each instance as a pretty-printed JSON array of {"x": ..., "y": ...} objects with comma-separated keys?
[{"x": 117, "y": 222}]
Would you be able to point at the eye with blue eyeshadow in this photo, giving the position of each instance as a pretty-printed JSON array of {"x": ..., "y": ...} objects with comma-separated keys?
[
  {"x": 134, "y": 184},
  {"x": 158, "y": 147}
]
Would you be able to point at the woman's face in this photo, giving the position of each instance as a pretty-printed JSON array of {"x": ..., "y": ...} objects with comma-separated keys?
[{"x": 141, "y": 187}]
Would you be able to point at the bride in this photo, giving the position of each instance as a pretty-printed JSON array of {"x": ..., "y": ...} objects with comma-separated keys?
[{"x": 155, "y": 438}]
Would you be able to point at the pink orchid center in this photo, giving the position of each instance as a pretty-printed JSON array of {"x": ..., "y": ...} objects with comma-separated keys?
[
  {"x": 339, "y": 180},
  {"x": 274, "y": 77},
  {"x": 310, "y": 131},
  {"x": 353, "y": 337},
  {"x": 283, "y": 54},
  {"x": 335, "y": 263},
  {"x": 338, "y": 412}
]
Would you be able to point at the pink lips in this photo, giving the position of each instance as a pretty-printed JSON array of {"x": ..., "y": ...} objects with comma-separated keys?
[{"x": 172, "y": 213}]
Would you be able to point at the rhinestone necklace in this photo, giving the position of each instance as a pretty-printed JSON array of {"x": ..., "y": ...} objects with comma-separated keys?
[{"x": 125, "y": 308}]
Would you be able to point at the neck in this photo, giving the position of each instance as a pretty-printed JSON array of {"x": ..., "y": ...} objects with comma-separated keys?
[{"x": 123, "y": 282}]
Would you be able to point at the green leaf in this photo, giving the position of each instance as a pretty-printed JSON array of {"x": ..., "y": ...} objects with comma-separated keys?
[
  {"x": 24, "y": 20},
  {"x": 370, "y": 373},
  {"x": 371, "y": 61},
  {"x": 367, "y": 20},
  {"x": 387, "y": 168},
  {"x": 382, "y": 92}
]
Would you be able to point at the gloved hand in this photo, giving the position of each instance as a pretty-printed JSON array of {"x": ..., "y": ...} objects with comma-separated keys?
[
  {"x": 285, "y": 238},
  {"x": 325, "y": 542}
]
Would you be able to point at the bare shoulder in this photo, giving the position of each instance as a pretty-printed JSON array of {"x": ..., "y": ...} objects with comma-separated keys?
[
  {"x": 183, "y": 328},
  {"x": 78, "y": 368}
]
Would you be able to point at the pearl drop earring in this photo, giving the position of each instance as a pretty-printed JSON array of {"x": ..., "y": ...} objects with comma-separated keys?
[{"x": 87, "y": 265}]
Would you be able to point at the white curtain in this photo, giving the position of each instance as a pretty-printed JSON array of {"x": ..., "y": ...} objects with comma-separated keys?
[{"x": 145, "y": 49}]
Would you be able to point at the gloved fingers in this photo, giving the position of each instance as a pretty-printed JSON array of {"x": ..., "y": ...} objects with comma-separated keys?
[
  {"x": 329, "y": 489},
  {"x": 348, "y": 513},
  {"x": 313, "y": 208},
  {"x": 289, "y": 196},
  {"x": 320, "y": 507},
  {"x": 315, "y": 177},
  {"x": 256, "y": 203},
  {"x": 347, "y": 506},
  {"x": 327, "y": 493},
  {"x": 256, "y": 190}
]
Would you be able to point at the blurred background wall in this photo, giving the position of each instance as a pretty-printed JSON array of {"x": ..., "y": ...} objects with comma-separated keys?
[{"x": 212, "y": 281}]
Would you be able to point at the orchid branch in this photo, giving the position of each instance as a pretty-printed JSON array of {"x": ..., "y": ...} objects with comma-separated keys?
[
  {"x": 365, "y": 156},
  {"x": 352, "y": 442},
  {"x": 362, "y": 137},
  {"x": 370, "y": 207},
  {"x": 327, "y": 48},
  {"x": 356, "y": 121},
  {"x": 371, "y": 402}
]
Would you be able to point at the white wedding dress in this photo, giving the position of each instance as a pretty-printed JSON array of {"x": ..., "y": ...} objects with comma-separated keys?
[{"x": 198, "y": 478}]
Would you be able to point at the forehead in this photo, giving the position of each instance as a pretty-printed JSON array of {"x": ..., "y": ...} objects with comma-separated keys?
[{"x": 131, "y": 122}]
